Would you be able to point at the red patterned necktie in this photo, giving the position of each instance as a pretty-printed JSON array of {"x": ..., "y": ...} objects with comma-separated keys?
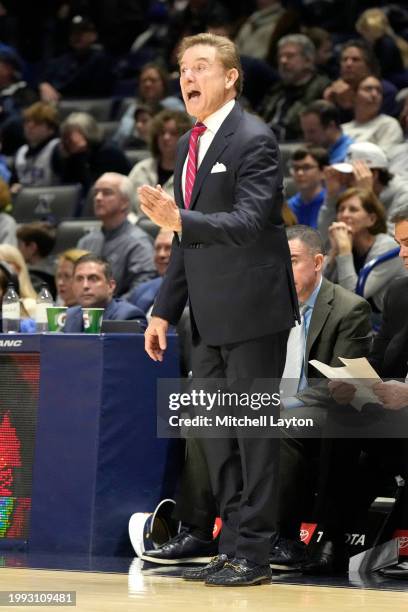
[{"x": 191, "y": 171}]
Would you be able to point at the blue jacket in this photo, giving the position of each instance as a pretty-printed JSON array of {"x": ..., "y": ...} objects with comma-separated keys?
[
  {"x": 307, "y": 212},
  {"x": 144, "y": 294},
  {"x": 118, "y": 310}
]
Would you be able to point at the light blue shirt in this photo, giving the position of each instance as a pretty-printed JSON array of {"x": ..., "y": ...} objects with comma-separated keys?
[{"x": 294, "y": 402}]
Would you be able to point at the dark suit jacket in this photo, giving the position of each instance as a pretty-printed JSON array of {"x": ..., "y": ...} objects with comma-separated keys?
[
  {"x": 389, "y": 356},
  {"x": 340, "y": 327},
  {"x": 144, "y": 294},
  {"x": 232, "y": 261},
  {"x": 116, "y": 310}
]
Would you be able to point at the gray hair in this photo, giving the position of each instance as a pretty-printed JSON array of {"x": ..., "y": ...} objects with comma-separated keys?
[
  {"x": 308, "y": 235},
  {"x": 86, "y": 124},
  {"x": 125, "y": 187},
  {"x": 303, "y": 42},
  {"x": 400, "y": 214}
]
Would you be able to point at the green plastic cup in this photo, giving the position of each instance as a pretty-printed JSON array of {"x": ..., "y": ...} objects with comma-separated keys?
[
  {"x": 56, "y": 316},
  {"x": 92, "y": 318}
]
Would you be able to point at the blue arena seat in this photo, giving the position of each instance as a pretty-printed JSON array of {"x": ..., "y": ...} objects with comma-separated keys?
[{"x": 370, "y": 265}]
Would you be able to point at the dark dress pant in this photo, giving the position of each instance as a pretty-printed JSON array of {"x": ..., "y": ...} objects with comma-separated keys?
[{"x": 244, "y": 471}]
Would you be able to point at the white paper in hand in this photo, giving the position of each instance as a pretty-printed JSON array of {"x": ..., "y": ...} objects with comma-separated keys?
[{"x": 358, "y": 372}]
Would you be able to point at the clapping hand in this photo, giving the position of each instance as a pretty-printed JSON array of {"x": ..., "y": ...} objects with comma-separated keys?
[{"x": 159, "y": 207}]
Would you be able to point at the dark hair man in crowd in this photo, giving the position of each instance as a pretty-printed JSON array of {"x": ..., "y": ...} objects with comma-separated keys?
[
  {"x": 307, "y": 168},
  {"x": 126, "y": 246},
  {"x": 36, "y": 241},
  {"x": 93, "y": 286},
  {"x": 321, "y": 127},
  {"x": 357, "y": 61}
]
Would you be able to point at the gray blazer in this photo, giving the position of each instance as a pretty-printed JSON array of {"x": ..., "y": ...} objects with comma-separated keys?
[{"x": 340, "y": 327}]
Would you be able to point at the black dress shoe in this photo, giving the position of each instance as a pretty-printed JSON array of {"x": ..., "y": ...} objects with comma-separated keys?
[
  {"x": 287, "y": 555},
  {"x": 240, "y": 572},
  {"x": 326, "y": 558},
  {"x": 183, "y": 548},
  {"x": 399, "y": 571},
  {"x": 202, "y": 573}
]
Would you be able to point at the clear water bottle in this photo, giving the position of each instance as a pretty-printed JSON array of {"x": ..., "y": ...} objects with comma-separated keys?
[
  {"x": 10, "y": 311},
  {"x": 44, "y": 300}
]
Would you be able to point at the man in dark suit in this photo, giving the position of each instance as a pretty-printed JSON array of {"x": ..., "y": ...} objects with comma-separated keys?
[
  {"x": 93, "y": 286},
  {"x": 230, "y": 259},
  {"x": 389, "y": 357}
]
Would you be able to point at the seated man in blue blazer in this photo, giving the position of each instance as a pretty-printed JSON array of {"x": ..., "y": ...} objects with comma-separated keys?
[
  {"x": 145, "y": 293},
  {"x": 93, "y": 287}
]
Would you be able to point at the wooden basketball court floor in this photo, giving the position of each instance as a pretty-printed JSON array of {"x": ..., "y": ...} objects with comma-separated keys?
[{"x": 110, "y": 585}]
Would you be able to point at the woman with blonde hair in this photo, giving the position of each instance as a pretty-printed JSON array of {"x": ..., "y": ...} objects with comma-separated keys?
[
  {"x": 12, "y": 256},
  {"x": 65, "y": 274},
  {"x": 390, "y": 49}
]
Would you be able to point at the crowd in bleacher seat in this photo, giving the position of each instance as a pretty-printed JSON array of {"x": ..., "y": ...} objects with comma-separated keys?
[
  {"x": 366, "y": 167},
  {"x": 357, "y": 61},
  {"x": 321, "y": 127},
  {"x": 299, "y": 85},
  {"x": 165, "y": 131},
  {"x": 360, "y": 232},
  {"x": 85, "y": 70},
  {"x": 34, "y": 163},
  {"x": 152, "y": 95},
  {"x": 84, "y": 154},
  {"x": 89, "y": 97},
  {"x": 369, "y": 124}
]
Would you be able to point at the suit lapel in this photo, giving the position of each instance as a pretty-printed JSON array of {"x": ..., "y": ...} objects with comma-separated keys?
[
  {"x": 216, "y": 148},
  {"x": 321, "y": 311},
  {"x": 219, "y": 143}
]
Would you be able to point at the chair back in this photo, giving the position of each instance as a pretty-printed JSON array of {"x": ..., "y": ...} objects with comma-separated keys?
[
  {"x": 46, "y": 203},
  {"x": 99, "y": 108},
  {"x": 70, "y": 231},
  {"x": 370, "y": 265}
]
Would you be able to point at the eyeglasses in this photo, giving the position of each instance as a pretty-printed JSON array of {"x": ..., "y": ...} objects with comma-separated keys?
[{"x": 303, "y": 168}]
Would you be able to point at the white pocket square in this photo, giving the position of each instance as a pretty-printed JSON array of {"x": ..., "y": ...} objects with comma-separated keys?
[{"x": 218, "y": 168}]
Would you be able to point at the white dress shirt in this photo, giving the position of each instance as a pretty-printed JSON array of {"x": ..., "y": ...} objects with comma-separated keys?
[{"x": 213, "y": 123}]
